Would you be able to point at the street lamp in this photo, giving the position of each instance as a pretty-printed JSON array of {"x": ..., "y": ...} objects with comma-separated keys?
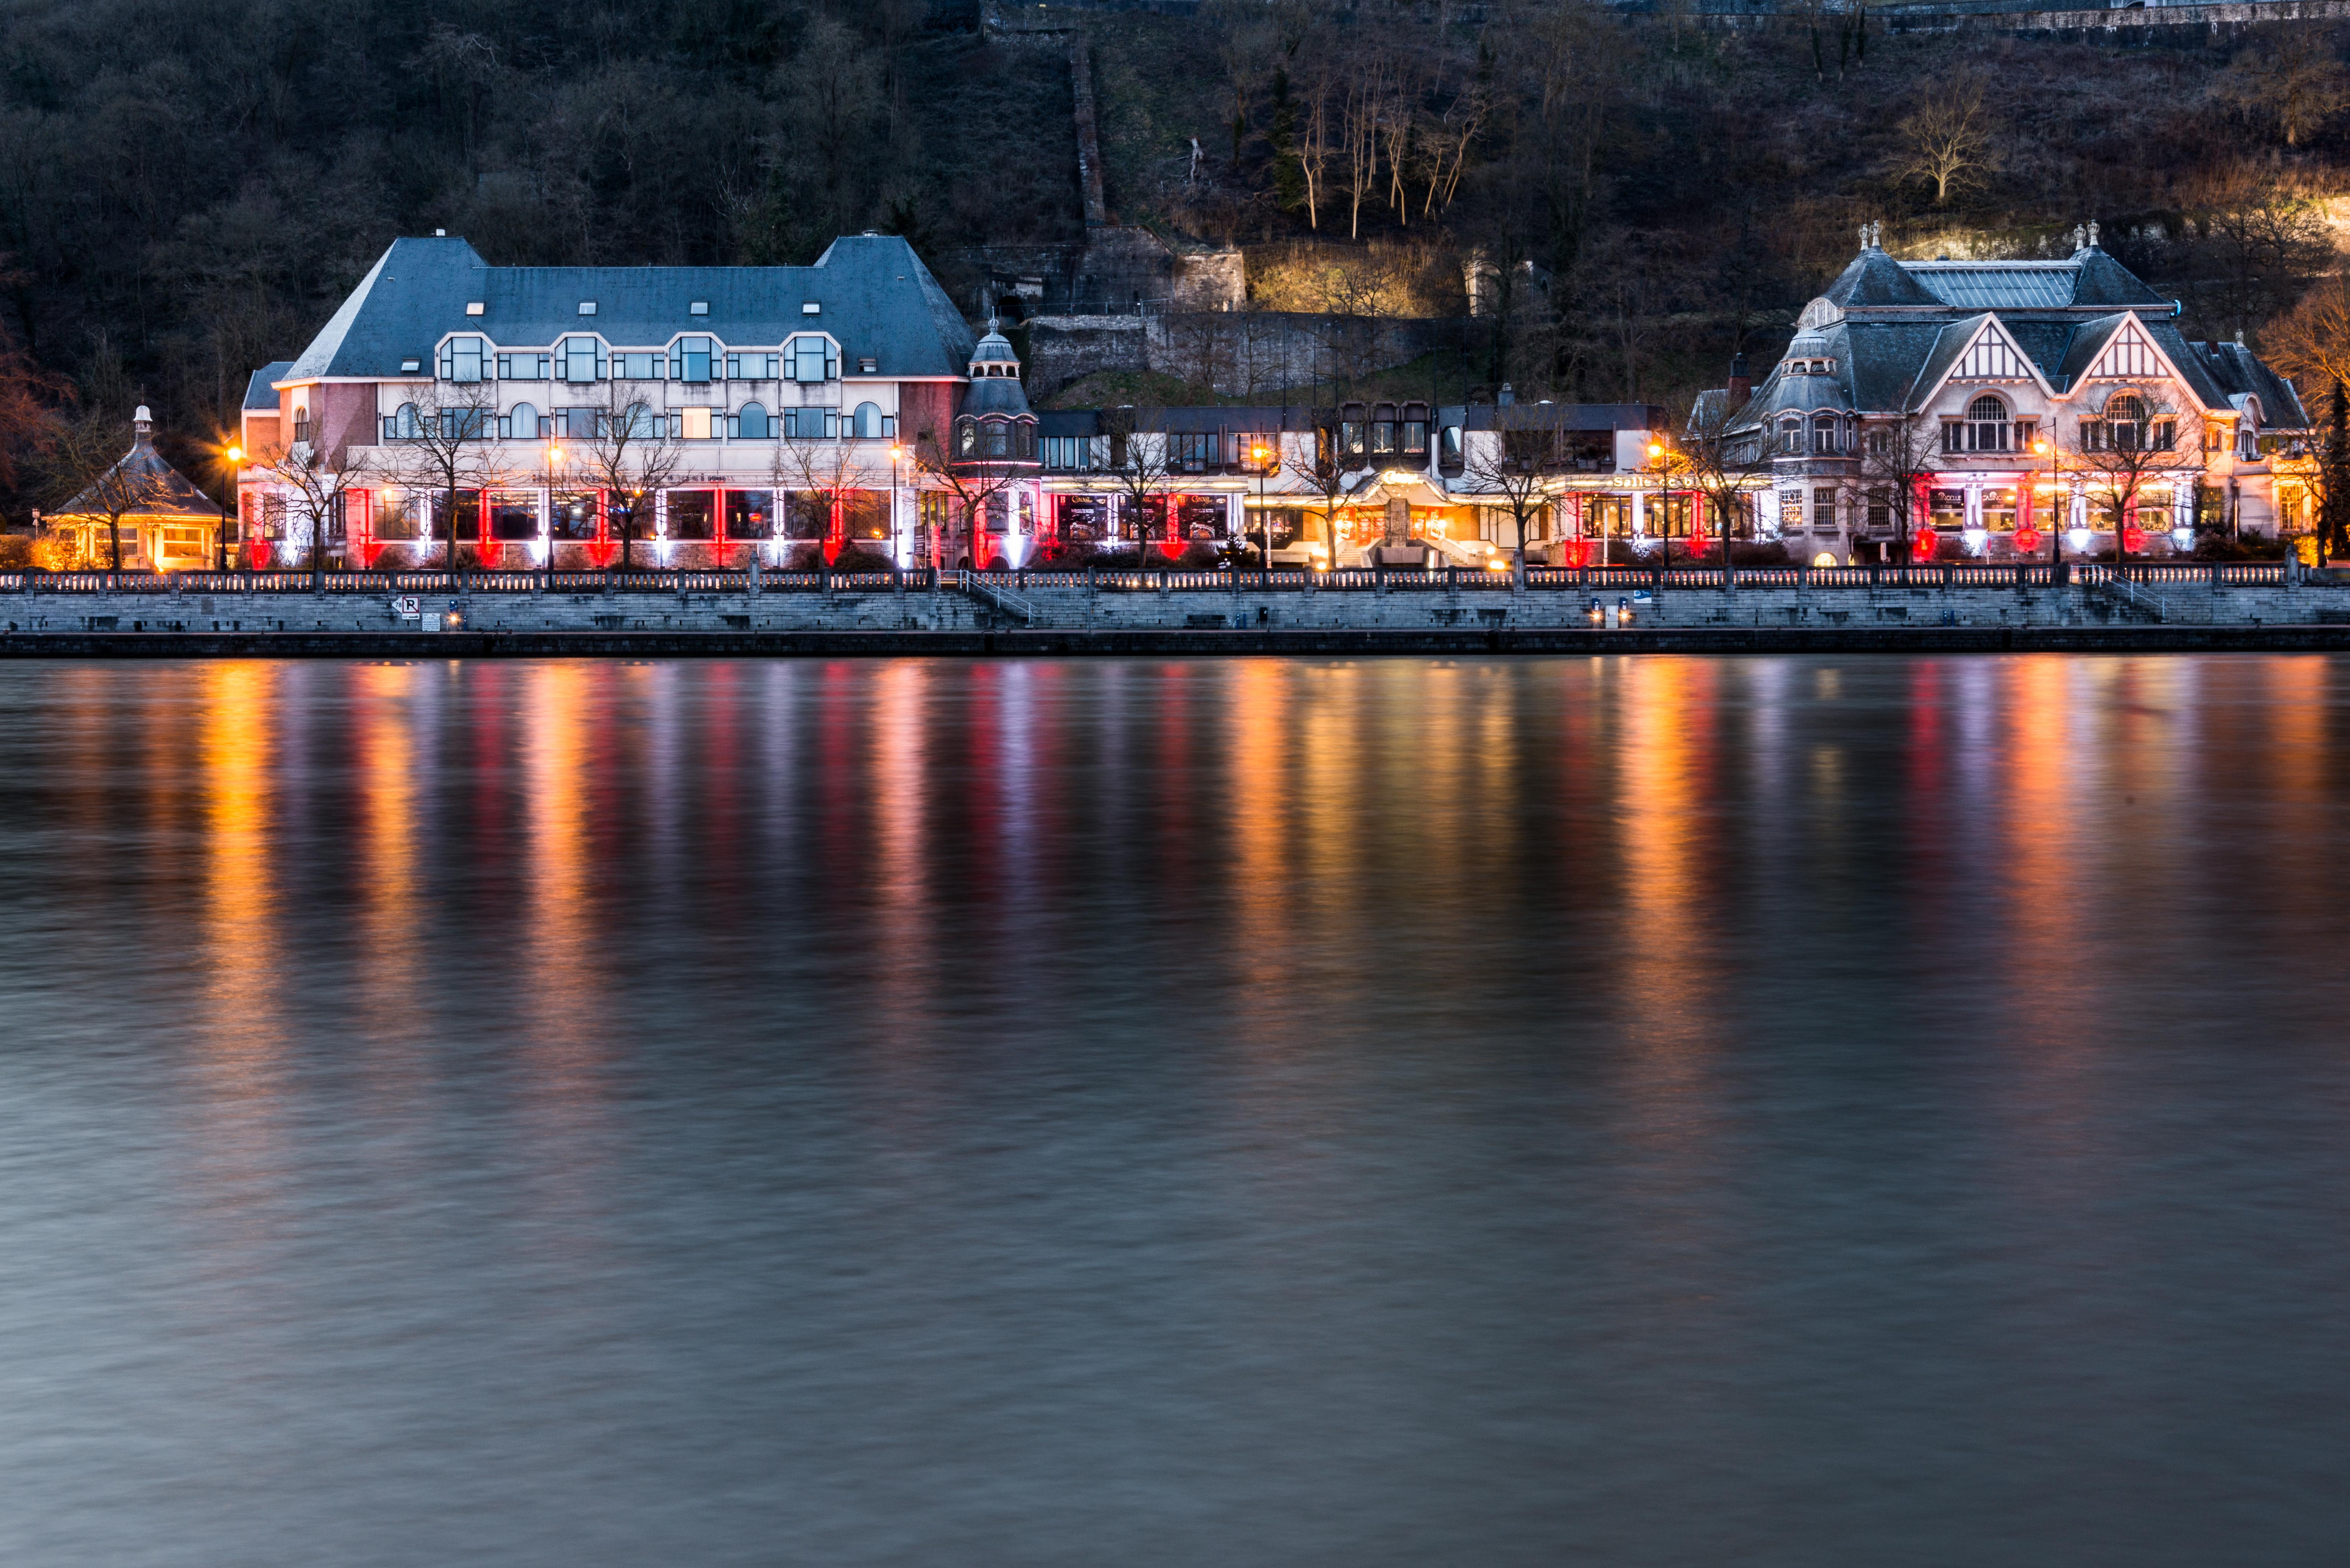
[
  {"x": 1662, "y": 469},
  {"x": 905, "y": 541},
  {"x": 2043, "y": 447},
  {"x": 1257, "y": 456},
  {"x": 546, "y": 567},
  {"x": 235, "y": 456}
]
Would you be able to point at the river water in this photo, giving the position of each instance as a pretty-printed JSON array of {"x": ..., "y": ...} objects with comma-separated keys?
[{"x": 1658, "y": 1111}]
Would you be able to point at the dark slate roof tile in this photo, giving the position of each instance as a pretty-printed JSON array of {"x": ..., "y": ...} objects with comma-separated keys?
[
  {"x": 875, "y": 296},
  {"x": 261, "y": 392}
]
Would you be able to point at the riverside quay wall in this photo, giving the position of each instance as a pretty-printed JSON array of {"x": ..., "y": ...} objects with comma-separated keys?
[{"x": 37, "y": 608}]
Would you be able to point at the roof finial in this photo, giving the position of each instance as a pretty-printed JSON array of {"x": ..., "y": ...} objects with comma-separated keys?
[
  {"x": 2093, "y": 234},
  {"x": 2078, "y": 232},
  {"x": 994, "y": 324},
  {"x": 1864, "y": 236}
]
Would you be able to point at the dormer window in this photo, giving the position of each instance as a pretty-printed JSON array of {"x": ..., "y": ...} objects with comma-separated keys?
[
  {"x": 868, "y": 366},
  {"x": 461, "y": 359},
  {"x": 580, "y": 360},
  {"x": 813, "y": 359},
  {"x": 692, "y": 360}
]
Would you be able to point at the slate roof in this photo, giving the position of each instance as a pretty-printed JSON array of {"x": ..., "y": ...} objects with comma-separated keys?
[
  {"x": 1877, "y": 279},
  {"x": 1891, "y": 350},
  {"x": 873, "y": 292},
  {"x": 2087, "y": 277},
  {"x": 2238, "y": 372},
  {"x": 1000, "y": 395},
  {"x": 158, "y": 489},
  {"x": 2012, "y": 285},
  {"x": 261, "y": 392}
]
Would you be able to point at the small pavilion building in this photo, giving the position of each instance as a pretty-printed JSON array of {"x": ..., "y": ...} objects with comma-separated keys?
[{"x": 164, "y": 521}]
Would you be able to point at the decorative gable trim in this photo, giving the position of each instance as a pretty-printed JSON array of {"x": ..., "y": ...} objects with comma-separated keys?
[
  {"x": 1993, "y": 357},
  {"x": 2132, "y": 355}
]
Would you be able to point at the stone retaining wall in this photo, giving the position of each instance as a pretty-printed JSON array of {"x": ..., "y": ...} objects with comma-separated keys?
[{"x": 1487, "y": 604}]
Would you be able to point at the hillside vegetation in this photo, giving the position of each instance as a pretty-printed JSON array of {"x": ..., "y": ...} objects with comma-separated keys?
[{"x": 186, "y": 190}]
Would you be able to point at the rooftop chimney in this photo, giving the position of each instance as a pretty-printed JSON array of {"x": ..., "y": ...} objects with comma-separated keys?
[
  {"x": 1505, "y": 397},
  {"x": 1741, "y": 385}
]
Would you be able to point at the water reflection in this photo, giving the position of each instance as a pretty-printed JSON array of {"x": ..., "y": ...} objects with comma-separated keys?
[{"x": 1155, "y": 1111}]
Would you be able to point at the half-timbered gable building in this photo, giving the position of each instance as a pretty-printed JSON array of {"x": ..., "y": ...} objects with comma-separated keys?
[{"x": 1999, "y": 408}]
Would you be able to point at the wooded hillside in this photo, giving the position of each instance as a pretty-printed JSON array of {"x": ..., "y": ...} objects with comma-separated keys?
[{"x": 186, "y": 190}]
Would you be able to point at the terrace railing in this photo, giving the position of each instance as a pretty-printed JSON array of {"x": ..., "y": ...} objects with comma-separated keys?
[{"x": 2165, "y": 576}]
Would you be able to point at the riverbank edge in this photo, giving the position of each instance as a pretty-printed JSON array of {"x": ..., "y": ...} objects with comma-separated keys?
[{"x": 1146, "y": 642}]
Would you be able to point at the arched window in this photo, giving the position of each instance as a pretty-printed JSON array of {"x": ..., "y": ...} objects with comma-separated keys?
[
  {"x": 868, "y": 421},
  {"x": 751, "y": 423},
  {"x": 1823, "y": 435},
  {"x": 1986, "y": 424},
  {"x": 998, "y": 440},
  {"x": 405, "y": 425},
  {"x": 1791, "y": 436},
  {"x": 968, "y": 442},
  {"x": 524, "y": 422}
]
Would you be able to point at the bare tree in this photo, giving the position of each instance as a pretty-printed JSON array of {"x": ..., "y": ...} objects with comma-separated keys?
[
  {"x": 1519, "y": 461},
  {"x": 317, "y": 485},
  {"x": 1134, "y": 468},
  {"x": 2293, "y": 93},
  {"x": 973, "y": 484},
  {"x": 631, "y": 457},
  {"x": 1449, "y": 142},
  {"x": 1722, "y": 464},
  {"x": 2129, "y": 448},
  {"x": 2250, "y": 244},
  {"x": 1313, "y": 141},
  {"x": 1321, "y": 465},
  {"x": 2312, "y": 341},
  {"x": 1898, "y": 456},
  {"x": 1947, "y": 141},
  {"x": 443, "y": 441},
  {"x": 1399, "y": 131},
  {"x": 821, "y": 466},
  {"x": 1363, "y": 105},
  {"x": 92, "y": 476},
  {"x": 2312, "y": 344}
]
